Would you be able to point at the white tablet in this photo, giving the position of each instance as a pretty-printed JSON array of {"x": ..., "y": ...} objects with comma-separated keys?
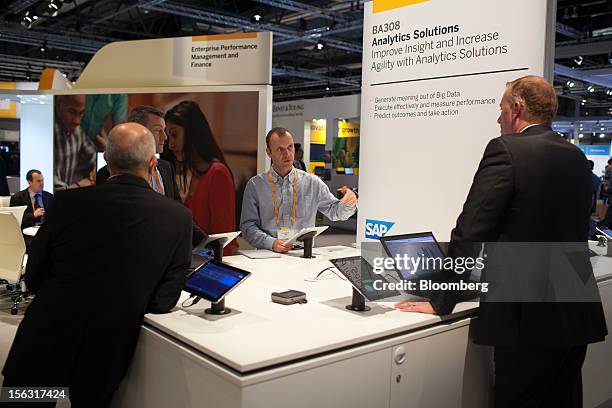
[
  {"x": 303, "y": 232},
  {"x": 226, "y": 236},
  {"x": 31, "y": 231},
  {"x": 605, "y": 231}
]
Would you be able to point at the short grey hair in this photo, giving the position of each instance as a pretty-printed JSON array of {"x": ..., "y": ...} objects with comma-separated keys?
[
  {"x": 128, "y": 152},
  {"x": 140, "y": 114}
]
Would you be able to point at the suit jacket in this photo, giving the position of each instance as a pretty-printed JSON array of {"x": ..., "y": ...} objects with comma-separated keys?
[
  {"x": 23, "y": 198},
  {"x": 4, "y": 188},
  {"x": 510, "y": 202},
  {"x": 104, "y": 257},
  {"x": 166, "y": 170}
]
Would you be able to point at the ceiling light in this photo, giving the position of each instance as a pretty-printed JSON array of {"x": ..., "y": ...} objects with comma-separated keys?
[
  {"x": 602, "y": 135},
  {"x": 590, "y": 88},
  {"x": 578, "y": 60},
  {"x": 35, "y": 17},
  {"x": 580, "y": 136},
  {"x": 320, "y": 46},
  {"x": 327, "y": 88},
  {"x": 570, "y": 84},
  {"x": 257, "y": 17},
  {"x": 53, "y": 6}
]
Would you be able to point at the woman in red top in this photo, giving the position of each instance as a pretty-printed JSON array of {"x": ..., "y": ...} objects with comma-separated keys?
[{"x": 205, "y": 181}]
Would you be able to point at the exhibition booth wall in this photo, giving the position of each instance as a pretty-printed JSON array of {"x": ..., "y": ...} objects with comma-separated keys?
[{"x": 198, "y": 72}]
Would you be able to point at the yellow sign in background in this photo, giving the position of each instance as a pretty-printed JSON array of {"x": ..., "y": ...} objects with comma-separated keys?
[
  {"x": 348, "y": 129},
  {"x": 8, "y": 109},
  {"x": 384, "y": 5},
  {"x": 318, "y": 129}
]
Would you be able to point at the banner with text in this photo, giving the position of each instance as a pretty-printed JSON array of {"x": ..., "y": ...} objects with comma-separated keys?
[
  {"x": 433, "y": 76},
  {"x": 221, "y": 59}
]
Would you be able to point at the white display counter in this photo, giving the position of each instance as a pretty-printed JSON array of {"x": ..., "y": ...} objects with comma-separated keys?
[{"x": 319, "y": 354}]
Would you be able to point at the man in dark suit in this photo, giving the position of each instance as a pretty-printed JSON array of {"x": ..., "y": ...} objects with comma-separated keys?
[
  {"x": 105, "y": 256},
  {"x": 539, "y": 346},
  {"x": 4, "y": 188},
  {"x": 35, "y": 198},
  {"x": 163, "y": 179}
]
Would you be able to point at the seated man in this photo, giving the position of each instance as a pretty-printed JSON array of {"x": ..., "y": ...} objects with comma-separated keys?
[
  {"x": 283, "y": 200},
  {"x": 37, "y": 200}
]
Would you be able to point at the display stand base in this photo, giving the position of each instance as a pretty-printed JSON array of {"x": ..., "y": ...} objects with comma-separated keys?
[{"x": 358, "y": 303}]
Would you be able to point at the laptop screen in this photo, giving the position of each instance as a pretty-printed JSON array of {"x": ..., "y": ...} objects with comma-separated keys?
[
  {"x": 417, "y": 256},
  {"x": 361, "y": 275}
]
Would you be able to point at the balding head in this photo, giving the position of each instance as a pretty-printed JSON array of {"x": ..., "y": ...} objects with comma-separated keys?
[
  {"x": 131, "y": 150},
  {"x": 539, "y": 97},
  {"x": 528, "y": 100}
]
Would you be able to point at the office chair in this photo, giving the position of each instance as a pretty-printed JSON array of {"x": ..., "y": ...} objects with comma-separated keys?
[{"x": 12, "y": 257}]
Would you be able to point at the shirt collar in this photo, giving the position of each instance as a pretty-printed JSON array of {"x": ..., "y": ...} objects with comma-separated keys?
[
  {"x": 529, "y": 126},
  {"x": 277, "y": 177},
  {"x": 32, "y": 194},
  {"x": 128, "y": 179}
]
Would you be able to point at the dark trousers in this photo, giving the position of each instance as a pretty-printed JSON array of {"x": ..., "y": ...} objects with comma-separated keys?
[
  {"x": 536, "y": 377},
  {"x": 607, "y": 221}
]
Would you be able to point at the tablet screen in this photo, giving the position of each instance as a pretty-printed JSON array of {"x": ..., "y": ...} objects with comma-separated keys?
[{"x": 214, "y": 280}]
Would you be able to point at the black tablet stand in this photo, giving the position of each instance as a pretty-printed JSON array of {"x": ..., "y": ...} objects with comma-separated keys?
[
  {"x": 358, "y": 302},
  {"x": 308, "y": 240},
  {"x": 218, "y": 308},
  {"x": 217, "y": 247}
]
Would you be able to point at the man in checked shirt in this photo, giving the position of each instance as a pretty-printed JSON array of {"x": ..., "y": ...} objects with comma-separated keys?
[{"x": 74, "y": 153}]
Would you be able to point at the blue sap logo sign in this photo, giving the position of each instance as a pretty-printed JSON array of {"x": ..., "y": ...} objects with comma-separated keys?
[{"x": 375, "y": 229}]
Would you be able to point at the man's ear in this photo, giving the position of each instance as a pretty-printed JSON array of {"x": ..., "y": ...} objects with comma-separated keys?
[
  {"x": 269, "y": 152},
  {"x": 152, "y": 162},
  {"x": 517, "y": 109}
]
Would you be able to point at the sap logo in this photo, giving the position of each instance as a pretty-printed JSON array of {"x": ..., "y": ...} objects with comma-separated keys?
[{"x": 375, "y": 229}]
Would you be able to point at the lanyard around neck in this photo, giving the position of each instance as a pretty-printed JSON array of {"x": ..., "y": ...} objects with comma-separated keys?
[{"x": 275, "y": 198}]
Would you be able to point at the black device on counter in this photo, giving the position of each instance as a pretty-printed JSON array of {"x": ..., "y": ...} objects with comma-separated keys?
[
  {"x": 289, "y": 297},
  {"x": 213, "y": 281}
]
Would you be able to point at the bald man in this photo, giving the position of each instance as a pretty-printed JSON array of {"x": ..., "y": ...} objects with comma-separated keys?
[
  {"x": 103, "y": 258},
  {"x": 74, "y": 154}
]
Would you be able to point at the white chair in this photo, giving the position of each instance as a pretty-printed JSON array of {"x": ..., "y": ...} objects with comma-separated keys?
[
  {"x": 5, "y": 201},
  {"x": 16, "y": 211},
  {"x": 12, "y": 256}
]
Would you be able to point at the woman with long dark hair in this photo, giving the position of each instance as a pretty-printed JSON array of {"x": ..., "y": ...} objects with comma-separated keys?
[{"x": 205, "y": 181}]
